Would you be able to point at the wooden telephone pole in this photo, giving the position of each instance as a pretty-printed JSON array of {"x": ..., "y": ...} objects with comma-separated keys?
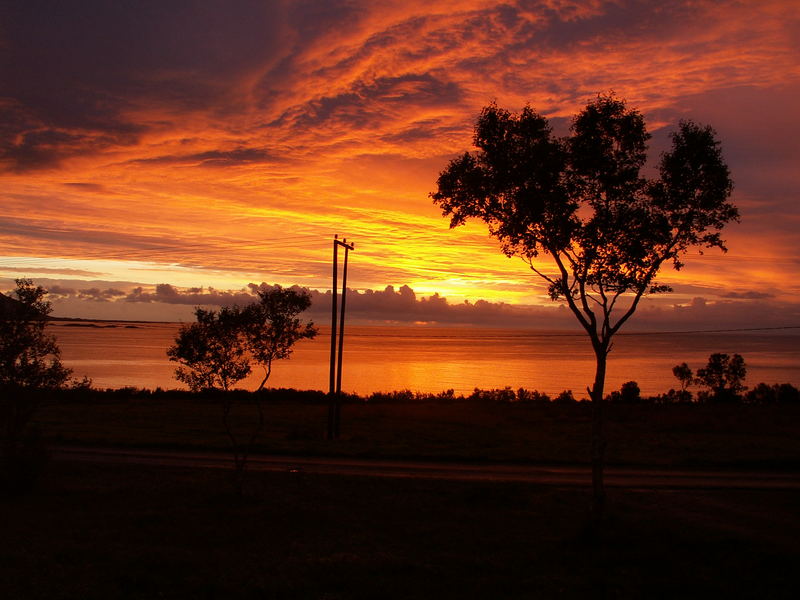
[{"x": 335, "y": 387}]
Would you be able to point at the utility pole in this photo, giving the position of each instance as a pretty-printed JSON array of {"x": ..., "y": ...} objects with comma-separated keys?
[
  {"x": 335, "y": 383},
  {"x": 332, "y": 385}
]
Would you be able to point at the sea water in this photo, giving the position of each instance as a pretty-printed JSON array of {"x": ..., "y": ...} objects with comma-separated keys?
[{"x": 434, "y": 359}]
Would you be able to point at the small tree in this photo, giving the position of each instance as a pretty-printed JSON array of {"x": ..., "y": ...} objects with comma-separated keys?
[
  {"x": 215, "y": 352},
  {"x": 786, "y": 393},
  {"x": 211, "y": 351},
  {"x": 684, "y": 375},
  {"x": 565, "y": 397},
  {"x": 273, "y": 326},
  {"x": 762, "y": 394},
  {"x": 629, "y": 393},
  {"x": 30, "y": 361},
  {"x": 582, "y": 201},
  {"x": 723, "y": 376}
]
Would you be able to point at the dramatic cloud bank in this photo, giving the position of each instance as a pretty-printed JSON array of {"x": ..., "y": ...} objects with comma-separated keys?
[
  {"x": 211, "y": 143},
  {"x": 402, "y": 305}
]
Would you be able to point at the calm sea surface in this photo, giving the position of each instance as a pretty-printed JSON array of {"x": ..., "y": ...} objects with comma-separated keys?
[{"x": 433, "y": 359}]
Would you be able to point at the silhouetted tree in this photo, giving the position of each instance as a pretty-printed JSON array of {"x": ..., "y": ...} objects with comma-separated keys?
[
  {"x": 723, "y": 376},
  {"x": 565, "y": 397},
  {"x": 211, "y": 351},
  {"x": 778, "y": 393},
  {"x": 684, "y": 374},
  {"x": 29, "y": 356},
  {"x": 581, "y": 200},
  {"x": 629, "y": 393},
  {"x": 761, "y": 394},
  {"x": 786, "y": 393},
  {"x": 273, "y": 327},
  {"x": 30, "y": 361},
  {"x": 216, "y": 352}
]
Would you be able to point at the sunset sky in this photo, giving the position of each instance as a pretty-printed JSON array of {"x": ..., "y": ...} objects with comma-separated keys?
[{"x": 219, "y": 143}]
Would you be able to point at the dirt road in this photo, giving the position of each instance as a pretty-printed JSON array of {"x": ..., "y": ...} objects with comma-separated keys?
[{"x": 560, "y": 475}]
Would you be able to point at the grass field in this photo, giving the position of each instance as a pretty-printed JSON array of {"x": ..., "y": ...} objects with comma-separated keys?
[
  {"x": 655, "y": 435},
  {"x": 96, "y": 531},
  {"x": 128, "y": 531}
]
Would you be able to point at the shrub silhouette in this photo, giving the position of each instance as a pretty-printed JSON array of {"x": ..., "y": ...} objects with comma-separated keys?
[
  {"x": 629, "y": 393},
  {"x": 779, "y": 393},
  {"x": 723, "y": 376}
]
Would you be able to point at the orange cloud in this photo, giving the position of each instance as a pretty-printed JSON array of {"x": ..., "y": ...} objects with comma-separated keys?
[{"x": 235, "y": 154}]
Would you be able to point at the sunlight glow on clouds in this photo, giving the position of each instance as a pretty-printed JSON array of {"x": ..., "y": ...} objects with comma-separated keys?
[{"x": 206, "y": 143}]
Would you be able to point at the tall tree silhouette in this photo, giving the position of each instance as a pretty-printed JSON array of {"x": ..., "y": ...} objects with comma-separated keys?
[
  {"x": 30, "y": 362},
  {"x": 29, "y": 355},
  {"x": 581, "y": 201}
]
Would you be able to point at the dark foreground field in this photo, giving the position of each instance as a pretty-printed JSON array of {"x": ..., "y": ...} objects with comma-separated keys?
[
  {"x": 98, "y": 531},
  {"x": 133, "y": 531},
  {"x": 715, "y": 436}
]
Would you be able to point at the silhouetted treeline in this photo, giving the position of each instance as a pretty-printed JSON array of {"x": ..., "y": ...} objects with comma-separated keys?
[{"x": 783, "y": 393}]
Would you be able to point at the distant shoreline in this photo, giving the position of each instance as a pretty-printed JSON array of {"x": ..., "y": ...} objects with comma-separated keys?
[
  {"x": 110, "y": 325},
  {"x": 83, "y": 320},
  {"x": 786, "y": 329}
]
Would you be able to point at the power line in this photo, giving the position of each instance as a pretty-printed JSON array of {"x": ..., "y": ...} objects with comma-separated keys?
[
  {"x": 678, "y": 332},
  {"x": 735, "y": 330}
]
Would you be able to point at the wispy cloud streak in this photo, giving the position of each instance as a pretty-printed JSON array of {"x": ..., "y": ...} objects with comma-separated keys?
[{"x": 233, "y": 141}]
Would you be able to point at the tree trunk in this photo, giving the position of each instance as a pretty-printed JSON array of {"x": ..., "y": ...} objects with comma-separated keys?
[
  {"x": 598, "y": 435},
  {"x": 267, "y": 373}
]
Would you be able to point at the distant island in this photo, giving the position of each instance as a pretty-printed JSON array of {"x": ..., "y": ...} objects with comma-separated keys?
[
  {"x": 72, "y": 323},
  {"x": 10, "y": 308}
]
